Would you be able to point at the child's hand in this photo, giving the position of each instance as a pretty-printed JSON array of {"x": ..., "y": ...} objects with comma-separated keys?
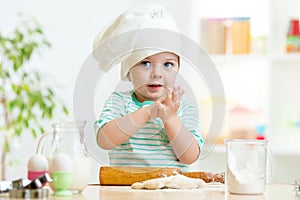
[
  {"x": 153, "y": 110},
  {"x": 178, "y": 91},
  {"x": 169, "y": 105}
]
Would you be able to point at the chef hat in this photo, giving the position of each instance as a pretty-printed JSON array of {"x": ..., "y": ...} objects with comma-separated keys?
[{"x": 140, "y": 17}]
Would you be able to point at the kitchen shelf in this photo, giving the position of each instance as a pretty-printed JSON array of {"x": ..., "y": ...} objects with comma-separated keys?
[
  {"x": 295, "y": 57},
  {"x": 268, "y": 81},
  {"x": 238, "y": 57},
  {"x": 271, "y": 79},
  {"x": 219, "y": 58}
]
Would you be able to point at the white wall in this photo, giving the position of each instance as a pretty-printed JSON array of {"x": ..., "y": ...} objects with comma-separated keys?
[{"x": 70, "y": 26}]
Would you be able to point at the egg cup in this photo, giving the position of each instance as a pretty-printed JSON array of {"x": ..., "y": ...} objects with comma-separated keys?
[
  {"x": 61, "y": 180},
  {"x": 31, "y": 175}
]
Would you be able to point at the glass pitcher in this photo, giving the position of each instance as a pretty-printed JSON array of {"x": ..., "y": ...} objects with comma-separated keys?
[
  {"x": 246, "y": 166},
  {"x": 68, "y": 138}
]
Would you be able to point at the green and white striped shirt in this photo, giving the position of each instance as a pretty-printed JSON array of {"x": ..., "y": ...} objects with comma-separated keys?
[{"x": 150, "y": 145}]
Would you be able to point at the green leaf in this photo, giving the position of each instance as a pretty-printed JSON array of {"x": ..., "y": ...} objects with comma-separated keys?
[
  {"x": 7, "y": 75},
  {"x": 13, "y": 163},
  {"x": 18, "y": 36},
  {"x": 7, "y": 146},
  {"x": 50, "y": 112},
  {"x": 25, "y": 87},
  {"x": 24, "y": 76},
  {"x": 34, "y": 134},
  {"x": 47, "y": 44},
  {"x": 28, "y": 49},
  {"x": 65, "y": 109},
  {"x": 42, "y": 129},
  {"x": 39, "y": 30},
  {"x": 14, "y": 87},
  {"x": 26, "y": 123},
  {"x": 18, "y": 130},
  {"x": 50, "y": 91},
  {"x": 11, "y": 105}
]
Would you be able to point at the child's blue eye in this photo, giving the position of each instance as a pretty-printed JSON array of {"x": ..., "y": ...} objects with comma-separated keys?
[
  {"x": 168, "y": 64},
  {"x": 145, "y": 64}
]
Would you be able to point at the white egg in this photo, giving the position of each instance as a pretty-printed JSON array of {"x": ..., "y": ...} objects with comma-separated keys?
[
  {"x": 37, "y": 162},
  {"x": 61, "y": 162}
]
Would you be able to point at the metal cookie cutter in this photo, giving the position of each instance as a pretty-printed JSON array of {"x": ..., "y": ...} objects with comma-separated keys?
[
  {"x": 29, "y": 193},
  {"x": 39, "y": 182},
  {"x": 31, "y": 190}
]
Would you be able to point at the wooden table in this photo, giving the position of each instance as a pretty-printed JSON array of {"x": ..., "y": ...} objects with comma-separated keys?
[{"x": 96, "y": 192}]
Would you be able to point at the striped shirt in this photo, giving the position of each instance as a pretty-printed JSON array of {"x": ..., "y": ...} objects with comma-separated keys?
[{"x": 150, "y": 145}]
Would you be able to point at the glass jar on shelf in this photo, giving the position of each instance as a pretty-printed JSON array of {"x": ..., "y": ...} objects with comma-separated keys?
[{"x": 293, "y": 37}]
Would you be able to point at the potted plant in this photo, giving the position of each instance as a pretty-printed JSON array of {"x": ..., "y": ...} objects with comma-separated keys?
[{"x": 24, "y": 98}]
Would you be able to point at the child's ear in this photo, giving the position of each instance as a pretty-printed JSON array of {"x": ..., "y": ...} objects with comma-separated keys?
[{"x": 128, "y": 76}]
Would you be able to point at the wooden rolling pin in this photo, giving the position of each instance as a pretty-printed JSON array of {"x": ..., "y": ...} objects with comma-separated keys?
[{"x": 129, "y": 175}]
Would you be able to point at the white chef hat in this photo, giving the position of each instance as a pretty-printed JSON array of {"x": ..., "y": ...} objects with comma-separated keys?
[{"x": 139, "y": 17}]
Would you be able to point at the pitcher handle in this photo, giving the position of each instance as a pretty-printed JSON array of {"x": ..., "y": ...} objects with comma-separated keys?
[
  {"x": 41, "y": 142},
  {"x": 270, "y": 164}
]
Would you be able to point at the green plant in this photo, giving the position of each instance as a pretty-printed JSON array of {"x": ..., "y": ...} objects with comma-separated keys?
[{"x": 24, "y": 98}]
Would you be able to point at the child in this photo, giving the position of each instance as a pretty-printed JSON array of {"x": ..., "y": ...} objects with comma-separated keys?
[{"x": 153, "y": 125}]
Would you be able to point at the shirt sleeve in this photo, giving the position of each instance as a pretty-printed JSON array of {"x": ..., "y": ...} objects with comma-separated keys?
[
  {"x": 190, "y": 119},
  {"x": 113, "y": 108}
]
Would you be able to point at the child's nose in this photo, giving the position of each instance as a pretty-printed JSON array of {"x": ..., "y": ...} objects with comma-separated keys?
[{"x": 156, "y": 72}]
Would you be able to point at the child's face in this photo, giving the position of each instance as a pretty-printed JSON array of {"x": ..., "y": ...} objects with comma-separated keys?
[{"x": 153, "y": 75}]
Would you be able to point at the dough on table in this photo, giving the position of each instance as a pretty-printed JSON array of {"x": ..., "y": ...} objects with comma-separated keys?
[{"x": 176, "y": 182}]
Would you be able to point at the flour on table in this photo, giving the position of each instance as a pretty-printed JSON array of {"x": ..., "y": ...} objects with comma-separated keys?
[{"x": 176, "y": 182}]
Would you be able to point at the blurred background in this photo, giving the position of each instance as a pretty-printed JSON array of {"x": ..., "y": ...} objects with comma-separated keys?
[{"x": 254, "y": 45}]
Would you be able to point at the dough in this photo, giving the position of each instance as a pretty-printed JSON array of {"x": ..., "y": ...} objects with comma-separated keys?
[
  {"x": 177, "y": 182},
  {"x": 153, "y": 184}
]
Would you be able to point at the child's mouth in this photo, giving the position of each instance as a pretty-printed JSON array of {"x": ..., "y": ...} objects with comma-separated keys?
[{"x": 154, "y": 85}]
